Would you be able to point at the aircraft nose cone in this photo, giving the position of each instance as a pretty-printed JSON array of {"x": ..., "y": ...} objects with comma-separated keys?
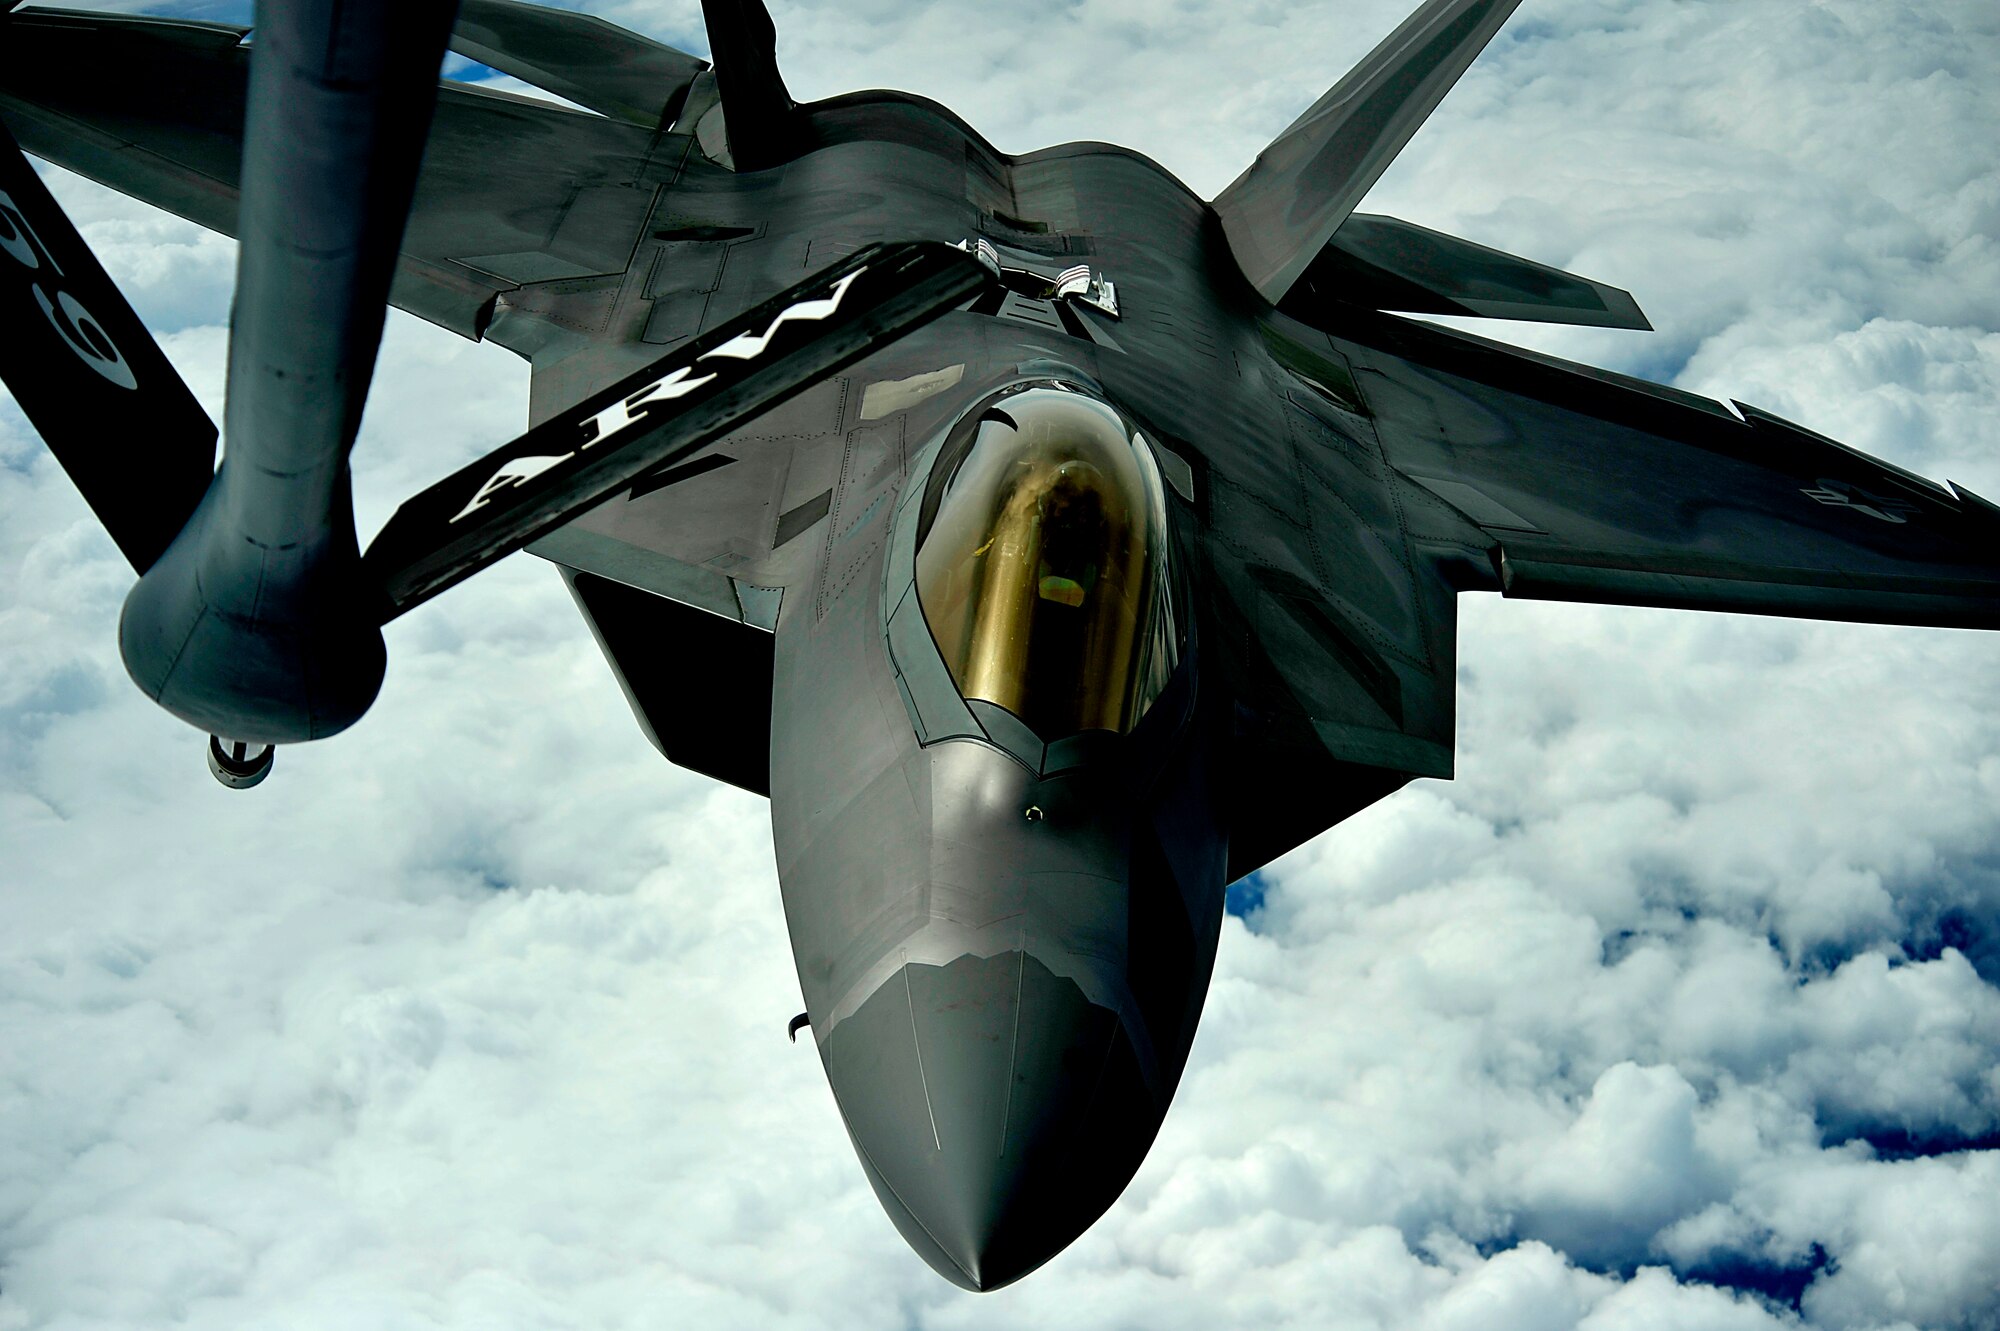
[{"x": 997, "y": 1111}]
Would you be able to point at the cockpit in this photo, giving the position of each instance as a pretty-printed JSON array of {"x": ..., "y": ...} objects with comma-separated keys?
[{"x": 1042, "y": 563}]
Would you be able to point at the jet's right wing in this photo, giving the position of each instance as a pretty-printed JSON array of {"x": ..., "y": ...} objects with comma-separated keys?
[{"x": 1591, "y": 486}]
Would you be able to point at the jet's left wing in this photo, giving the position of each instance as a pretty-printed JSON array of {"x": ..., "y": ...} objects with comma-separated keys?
[
  {"x": 615, "y": 72},
  {"x": 1592, "y": 486},
  {"x": 513, "y": 191}
]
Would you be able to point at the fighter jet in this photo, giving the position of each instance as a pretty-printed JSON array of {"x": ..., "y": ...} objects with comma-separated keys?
[{"x": 1052, "y": 546}]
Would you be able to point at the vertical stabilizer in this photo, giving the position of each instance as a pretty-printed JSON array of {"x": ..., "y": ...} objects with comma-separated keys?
[
  {"x": 743, "y": 44},
  {"x": 90, "y": 377},
  {"x": 1283, "y": 210}
]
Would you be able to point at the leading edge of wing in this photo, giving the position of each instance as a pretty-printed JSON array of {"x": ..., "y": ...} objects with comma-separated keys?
[
  {"x": 1595, "y": 486},
  {"x": 594, "y": 63},
  {"x": 154, "y": 108}
]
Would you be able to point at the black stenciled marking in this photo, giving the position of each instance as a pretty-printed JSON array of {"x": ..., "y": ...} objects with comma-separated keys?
[
  {"x": 794, "y": 522},
  {"x": 701, "y": 232},
  {"x": 660, "y": 480}
]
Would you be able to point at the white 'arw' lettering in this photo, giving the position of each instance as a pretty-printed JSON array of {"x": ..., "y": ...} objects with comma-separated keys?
[
  {"x": 517, "y": 471},
  {"x": 620, "y": 415},
  {"x": 747, "y": 346}
]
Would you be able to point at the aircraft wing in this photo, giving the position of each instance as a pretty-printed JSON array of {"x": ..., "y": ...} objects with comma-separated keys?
[
  {"x": 513, "y": 191},
  {"x": 1595, "y": 487}
]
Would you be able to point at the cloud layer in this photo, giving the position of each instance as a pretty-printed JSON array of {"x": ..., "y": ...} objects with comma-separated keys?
[{"x": 1679, "y": 1008}]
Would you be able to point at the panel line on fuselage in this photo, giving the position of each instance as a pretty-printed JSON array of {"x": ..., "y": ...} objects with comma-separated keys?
[{"x": 922, "y": 1078}]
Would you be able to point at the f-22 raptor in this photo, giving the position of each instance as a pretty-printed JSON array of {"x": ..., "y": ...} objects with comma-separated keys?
[{"x": 1053, "y": 546}]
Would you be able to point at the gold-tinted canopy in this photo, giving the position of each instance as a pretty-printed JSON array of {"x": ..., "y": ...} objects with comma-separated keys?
[{"x": 1042, "y": 575}]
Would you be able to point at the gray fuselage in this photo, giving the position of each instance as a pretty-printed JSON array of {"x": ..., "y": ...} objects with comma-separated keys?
[{"x": 1004, "y": 937}]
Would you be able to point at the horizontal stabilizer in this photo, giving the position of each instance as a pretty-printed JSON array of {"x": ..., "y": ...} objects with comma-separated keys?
[
  {"x": 662, "y": 414},
  {"x": 584, "y": 59},
  {"x": 1381, "y": 263},
  {"x": 1281, "y": 212},
  {"x": 90, "y": 378}
]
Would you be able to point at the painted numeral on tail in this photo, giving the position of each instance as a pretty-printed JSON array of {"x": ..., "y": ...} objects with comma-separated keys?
[{"x": 73, "y": 323}]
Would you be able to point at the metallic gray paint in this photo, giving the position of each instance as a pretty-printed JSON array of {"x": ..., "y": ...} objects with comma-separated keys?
[
  {"x": 1341, "y": 476},
  {"x": 1289, "y": 203}
]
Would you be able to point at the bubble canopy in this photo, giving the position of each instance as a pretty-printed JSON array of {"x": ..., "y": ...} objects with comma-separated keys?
[{"x": 1041, "y": 568}]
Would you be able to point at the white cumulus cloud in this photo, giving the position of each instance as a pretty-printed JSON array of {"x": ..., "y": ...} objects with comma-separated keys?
[{"x": 1679, "y": 1008}]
